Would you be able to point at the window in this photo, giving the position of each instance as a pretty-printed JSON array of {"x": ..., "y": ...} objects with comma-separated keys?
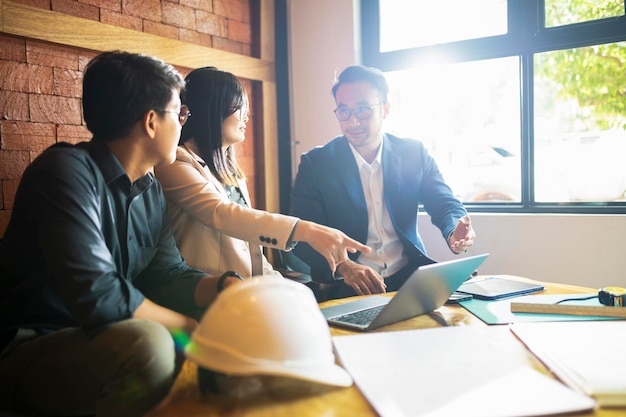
[
  {"x": 467, "y": 114},
  {"x": 521, "y": 102},
  {"x": 580, "y": 124},
  {"x": 432, "y": 23},
  {"x": 566, "y": 12}
]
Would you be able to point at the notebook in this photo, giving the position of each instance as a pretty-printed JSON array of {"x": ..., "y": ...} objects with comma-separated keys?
[
  {"x": 494, "y": 288},
  {"x": 425, "y": 290}
]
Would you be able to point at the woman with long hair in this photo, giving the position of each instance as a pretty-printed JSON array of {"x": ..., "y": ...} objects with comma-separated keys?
[{"x": 209, "y": 207}]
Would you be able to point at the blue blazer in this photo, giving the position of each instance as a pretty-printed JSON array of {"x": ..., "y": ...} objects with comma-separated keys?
[{"x": 328, "y": 190}]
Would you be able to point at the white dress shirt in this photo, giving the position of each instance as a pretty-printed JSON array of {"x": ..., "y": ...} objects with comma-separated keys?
[{"x": 386, "y": 256}]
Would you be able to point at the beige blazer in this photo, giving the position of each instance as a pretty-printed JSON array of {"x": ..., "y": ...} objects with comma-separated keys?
[{"x": 213, "y": 233}]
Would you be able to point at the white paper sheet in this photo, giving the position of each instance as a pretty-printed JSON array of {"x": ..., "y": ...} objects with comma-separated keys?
[
  {"x": 585, "y": 355},
  {"x": 467, "y": 371}
]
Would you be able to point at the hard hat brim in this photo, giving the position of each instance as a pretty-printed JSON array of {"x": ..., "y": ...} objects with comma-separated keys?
[{"x": 213, "y": 359}]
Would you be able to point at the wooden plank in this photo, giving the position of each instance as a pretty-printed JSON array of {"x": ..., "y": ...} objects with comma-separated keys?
[
  {"x": 270, "y": 112},
  {"x": 270, "y": 148},
  {"x": 572, "y": 310},
  {"x": 35, "y": 23}
]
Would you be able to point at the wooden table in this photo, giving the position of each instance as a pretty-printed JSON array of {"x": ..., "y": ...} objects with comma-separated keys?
[{"x": 186, "y": 400}]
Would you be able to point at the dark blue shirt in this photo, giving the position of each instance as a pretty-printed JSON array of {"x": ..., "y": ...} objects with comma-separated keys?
[{"x": 84, "y": 245}]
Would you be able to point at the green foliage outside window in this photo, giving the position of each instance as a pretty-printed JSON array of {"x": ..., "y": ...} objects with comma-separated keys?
[{"x": 594, "y": 76}]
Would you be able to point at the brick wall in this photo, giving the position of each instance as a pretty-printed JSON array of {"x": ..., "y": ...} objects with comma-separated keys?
[{"x": 41, "y": 83}]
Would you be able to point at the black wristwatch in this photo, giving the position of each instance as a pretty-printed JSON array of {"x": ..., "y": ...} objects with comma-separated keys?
[
  {"x": 220, "y": 282},
  {"x": 612, "y": 296}
]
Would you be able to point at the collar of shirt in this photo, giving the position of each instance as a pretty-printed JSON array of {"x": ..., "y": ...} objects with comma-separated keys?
[
  {"x": 360, "y": 161},
  {"x": 111, "y": 168}
]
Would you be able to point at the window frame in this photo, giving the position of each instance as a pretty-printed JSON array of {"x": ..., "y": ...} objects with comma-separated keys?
[{"x": 526, "y": 36}]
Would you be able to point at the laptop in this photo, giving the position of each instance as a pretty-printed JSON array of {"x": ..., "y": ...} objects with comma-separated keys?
[{"x": 425, "y": 290}]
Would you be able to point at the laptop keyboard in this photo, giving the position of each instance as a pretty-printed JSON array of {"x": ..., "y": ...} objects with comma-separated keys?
[{"x": 361, "y": 317}]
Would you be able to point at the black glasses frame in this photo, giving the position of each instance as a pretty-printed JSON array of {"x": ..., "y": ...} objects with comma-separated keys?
[
  {"x": 183, "y": 115},
  {"x": 361, "y": 113}
]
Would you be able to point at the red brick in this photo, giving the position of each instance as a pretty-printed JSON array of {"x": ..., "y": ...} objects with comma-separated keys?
[
  {"x": 32, "y": 155},
  {"x": 113, "y": 5},
  {"x": 183, "y": 71},
  {"x": 191, "y": 36},
  {"x": 211, "y": 24},
  {"x": 231, "y": 9},
  {"x": 26, "y": 78},
  {"x": 12, "y": 49},
  {"x": 13, "y": 164},
  {"x": 73, "y": 134},
  {"x": 246, "y": 13},
  {"x": 240, "y": 32},
  {"x": 41, "y": 4},
  {"x": 54, "y": 109},
  {"x": 13, "y": 105},
  {"x": 68, "y": 83},
  {"x": 145, "y": 9},
  {"x": 84, "y": 58},
  {"x": 205, "y": 5},
  {"x": 227, "y": 45},
  {"x": 160, "y": 29},
  {"x": 120, "y": 20},
  {"x": 179, "y": 16},
  {"x": 23, "y": 136},
  {"x": 39, "y": 53},
  {"x": 9, "y": 188},
  {"x": 5, "y": 215},
  {"x": 74, "y": 8}
]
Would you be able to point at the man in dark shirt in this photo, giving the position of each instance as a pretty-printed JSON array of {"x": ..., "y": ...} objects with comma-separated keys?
[{"x": 92, "y": 285}]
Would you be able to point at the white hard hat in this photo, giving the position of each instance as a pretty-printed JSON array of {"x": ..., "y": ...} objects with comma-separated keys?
[{"x": 267, "y": 326}]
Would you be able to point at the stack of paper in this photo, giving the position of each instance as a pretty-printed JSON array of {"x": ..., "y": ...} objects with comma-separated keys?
[
  {"x": 464, "y": 371},
  {"x": 586, "y": 355}
]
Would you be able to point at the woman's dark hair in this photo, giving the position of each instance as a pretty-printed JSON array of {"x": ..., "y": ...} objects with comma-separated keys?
[
  {"x": 120, "y": 87},
  {"x": 356, "y": 73},
  {"x": 213, "y": 95}
]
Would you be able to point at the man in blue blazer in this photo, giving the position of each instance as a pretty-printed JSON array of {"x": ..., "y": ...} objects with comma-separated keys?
[{"x": 369, "y": 184}]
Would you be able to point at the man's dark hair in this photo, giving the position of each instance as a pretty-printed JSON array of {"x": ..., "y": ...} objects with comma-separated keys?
[
  {"x": 120, "y": 87},
  {"x": 356, "y": 73}
]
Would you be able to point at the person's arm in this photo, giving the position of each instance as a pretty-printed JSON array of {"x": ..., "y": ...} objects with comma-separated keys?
[
  {"x": 446, "y": 211},
  {"x": 172, "y": 320},
  {"x": 168, "y": 280},
  {"x": 363, "y": 279},
  {"x": 332, "y": 244},
  {"x": 307, "y": 203},
  {"x": 463, "y": 236},
  {"x": 205, "y": 293},
  {"x": 186, "y": 187}
]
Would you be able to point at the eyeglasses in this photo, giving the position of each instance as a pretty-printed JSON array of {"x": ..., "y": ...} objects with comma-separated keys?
[
  {"x": 183, "y": 114},
  {"x": 361, "y": 113},
  {"x": 242, "y": 111}
]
